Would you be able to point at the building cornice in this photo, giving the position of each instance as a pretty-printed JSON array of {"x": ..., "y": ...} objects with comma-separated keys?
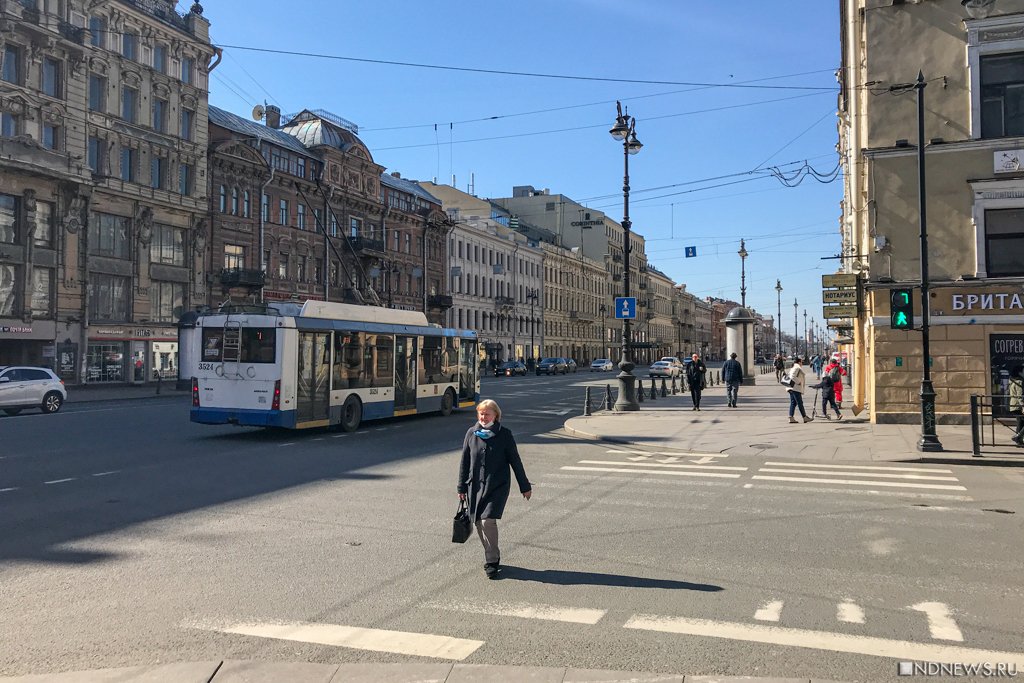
[{"x": 972, "y": 145}]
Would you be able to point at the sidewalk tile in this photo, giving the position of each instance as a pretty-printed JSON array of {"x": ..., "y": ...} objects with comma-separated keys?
[
  {"x": 393, "y": 673},
  {"x": 179, "y": 672},
  {"x": 274, "y": 672},
  {"x": 483, "y": 673},
  {"x": 601, "y": 676}
]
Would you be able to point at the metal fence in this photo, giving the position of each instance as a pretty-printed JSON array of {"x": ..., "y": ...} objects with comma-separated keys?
[{"x": 991, "y": 424}]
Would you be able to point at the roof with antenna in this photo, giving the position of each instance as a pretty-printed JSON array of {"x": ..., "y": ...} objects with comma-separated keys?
[{"x": 243, "y": 126}]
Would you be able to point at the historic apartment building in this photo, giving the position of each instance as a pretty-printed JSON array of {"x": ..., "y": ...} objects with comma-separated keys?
[
  {"x": 102, "y": 184},
  {"x": 663, "y": 331},
  {"x": 578, "y": 305},
  {"x": 496, "y": 278},
  {"x": 973, "y": 65}
]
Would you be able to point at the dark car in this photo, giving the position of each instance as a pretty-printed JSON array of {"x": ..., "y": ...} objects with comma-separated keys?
[
  {"x": 571, "y": 365},
  {"x": 552, "y": 366},
  {"x": 509, "y": 368}
]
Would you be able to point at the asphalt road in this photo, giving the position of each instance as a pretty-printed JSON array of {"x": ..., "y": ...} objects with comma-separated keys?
[{"x": 129, "y": 535}]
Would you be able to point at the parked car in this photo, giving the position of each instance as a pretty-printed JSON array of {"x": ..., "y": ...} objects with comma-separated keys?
[
  {"x": 676, "y": 363},
  {"x": 552, "y": 366},
  {"x": 663, "y": 368},
  {"x": 510, "y": 368},
  {"x": 571, "y": 365},
  {"x": 24, "y": 388},
  {"x": 602, "y": 365}
]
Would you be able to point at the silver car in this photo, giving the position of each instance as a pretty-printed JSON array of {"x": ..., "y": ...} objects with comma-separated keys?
[
  {"x": 24, "y": 388},
  {"x": 601, "y": 365}
]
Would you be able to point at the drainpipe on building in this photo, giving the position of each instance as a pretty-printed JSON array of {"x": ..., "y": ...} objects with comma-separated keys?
[
  {"x": 84, "y": 283},
  {"x": 263, "y": 191},
  {"x": 423, "y": 280}
]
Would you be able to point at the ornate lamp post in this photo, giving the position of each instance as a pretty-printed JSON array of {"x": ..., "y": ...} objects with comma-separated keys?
[
  {"x": 743, "y": 274},
  {"x": 796, "y": 328},
  {"x": 625, "y": 130},
  {"x": 531, "y": 296},
  {"x": 778, "y": 325},
  {"x": 805, "y": 332}
]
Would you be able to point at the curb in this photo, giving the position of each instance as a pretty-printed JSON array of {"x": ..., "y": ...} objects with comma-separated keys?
[{"x": 83, "y": 396}]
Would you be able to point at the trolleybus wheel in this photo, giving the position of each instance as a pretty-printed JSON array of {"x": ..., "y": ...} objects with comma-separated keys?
[
  {"x": 447, "y": 403},
  {"x": 351, "y": 414}
]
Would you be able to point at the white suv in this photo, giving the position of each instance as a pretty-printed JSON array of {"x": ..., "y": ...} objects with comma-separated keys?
[{"x": 23, "y": 387}]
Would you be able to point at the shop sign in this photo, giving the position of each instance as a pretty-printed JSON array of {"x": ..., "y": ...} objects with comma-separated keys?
[
  {"x": 16, "y": 329},
  {"x": 1007, "y": 161},
  {"x": 1006, "y": 354},
  {"x": 836, "y": 296},
  {"x": 841, "y": 311},
  {"x": 987, "y": 302},
  {"x": 132, "y": 333},
  {"x": 67, "y": 362},
  {"x": 839, "y": 280}
]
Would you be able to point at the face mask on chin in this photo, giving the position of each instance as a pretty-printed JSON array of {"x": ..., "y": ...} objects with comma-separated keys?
[{"x": 486, "y": 425}]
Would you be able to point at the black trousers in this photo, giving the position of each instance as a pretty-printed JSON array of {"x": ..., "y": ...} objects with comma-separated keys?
[{"x": 695, "y": 395}]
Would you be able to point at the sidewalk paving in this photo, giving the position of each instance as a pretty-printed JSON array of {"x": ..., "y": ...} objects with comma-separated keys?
[
  {"x": 231, "y": 671},
  {"x": 760, "y": 426}
]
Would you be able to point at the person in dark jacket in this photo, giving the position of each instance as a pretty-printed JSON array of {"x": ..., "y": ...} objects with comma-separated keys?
[
  {"x": 828, "y": 396},
  {"x": 488, "y": 453},
  {"x": 695, "y": 371},
  {"x": 732, "y": 375}
]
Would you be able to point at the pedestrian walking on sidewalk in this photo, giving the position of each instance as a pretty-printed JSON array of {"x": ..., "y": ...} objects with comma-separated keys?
[
  {"x": 796, "y": 392},
  {"x": 836, "y": 372},
  {"x": 695, "y": 372},
  {"x": 489, "y": 453},
  {"x": 828, "y": 396},
  {"x": 780, "y": 367},
  {"x": 1017, "y": 404},
  {"x": 732, "y": 375}
]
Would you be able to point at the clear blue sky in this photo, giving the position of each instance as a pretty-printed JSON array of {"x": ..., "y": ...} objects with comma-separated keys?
[{"x": 788, "y": 230}]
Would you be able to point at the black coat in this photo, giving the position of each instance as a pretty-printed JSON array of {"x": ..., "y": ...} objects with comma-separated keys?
[
  {"x": 695, "y": 374},
  {"x": 484, "y": 472}
]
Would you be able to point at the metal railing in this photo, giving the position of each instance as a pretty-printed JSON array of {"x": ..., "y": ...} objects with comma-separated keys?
[{"x": 992, "y": 424}]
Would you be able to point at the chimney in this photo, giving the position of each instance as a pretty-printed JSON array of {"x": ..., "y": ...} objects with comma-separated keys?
[
  {"x": 273, "y": 118},
  {"x": 396, "y": 174}
]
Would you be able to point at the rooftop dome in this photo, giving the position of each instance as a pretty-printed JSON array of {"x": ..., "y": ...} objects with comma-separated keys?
[{"x": 315, "y": 132}]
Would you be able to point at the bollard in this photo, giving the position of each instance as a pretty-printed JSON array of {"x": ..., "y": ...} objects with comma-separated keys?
[
  {"x": 159, "y": 381},
  {"x": 654, "y": 390},
  {"x": 718, "y": 378},
  {"x": 674, "y": 392},
  {"x": 640, "y": 390},
  {"x": 664, "y": 391},
  {"x": 607, "y": 396},
  {"x": 586, "y": 407}
]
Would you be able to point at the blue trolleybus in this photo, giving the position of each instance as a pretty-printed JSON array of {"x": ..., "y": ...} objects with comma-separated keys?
[{"x": 318, "y": 364}]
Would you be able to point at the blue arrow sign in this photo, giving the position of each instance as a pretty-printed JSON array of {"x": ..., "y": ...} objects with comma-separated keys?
[
  {"x": 625, "y": 307},
  {"x": 691, "y": 252}
]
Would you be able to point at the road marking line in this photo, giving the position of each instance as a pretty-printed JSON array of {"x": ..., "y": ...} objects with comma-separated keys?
[
  {"x": 823, "y": 640},
  {"x": 60, "y": 481},
  {"x": 381, "y": 429},
  {"x": 881, "y": 547},
  {"x": 13, "y": 488},
  {"x": 632, "y": 471},
  {"x": 319, "y": 438},
  {"x": 857, "y": 482},
  {"x": 376, "y": 640},
  {"x": 859, "y": 474},
  {"x": 662, "y": 464},
  {"x": 860, "y": 467},
  {"x": 338, "y": 436},
  {"x": 849, "y": 612},
  {"x": 104, "y": 474},
  {"x": 770, "y": 611},
  {"x": 940, "y": 620},
  {"x": 572, "y": 615},
  {"x": 863, "y": 492},
  {"x": 282, "y": 445},
  {"x": 629, "y": 453}
]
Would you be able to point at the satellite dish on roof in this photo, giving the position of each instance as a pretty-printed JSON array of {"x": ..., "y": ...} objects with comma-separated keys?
[{"x": 258, "y": 112}]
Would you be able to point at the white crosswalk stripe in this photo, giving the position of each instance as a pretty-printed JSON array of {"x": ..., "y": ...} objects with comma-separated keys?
[
  {"x": 863, "y": 476},
  {"x": 572, "y": 615}
]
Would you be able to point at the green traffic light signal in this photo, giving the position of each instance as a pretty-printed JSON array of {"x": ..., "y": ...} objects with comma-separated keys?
[{"x": 902, "y": 317}]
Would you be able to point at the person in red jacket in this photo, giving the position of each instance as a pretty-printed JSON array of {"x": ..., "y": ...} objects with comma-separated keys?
[{"x": 836, "y": 371}]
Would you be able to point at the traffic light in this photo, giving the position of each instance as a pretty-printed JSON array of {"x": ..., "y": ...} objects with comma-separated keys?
[{"x": 902, "y": 315}]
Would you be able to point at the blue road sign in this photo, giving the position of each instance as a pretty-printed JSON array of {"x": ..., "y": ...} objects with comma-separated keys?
[
  {"x": 691, "y": 252},
  {"x": 625, "y": 307}
]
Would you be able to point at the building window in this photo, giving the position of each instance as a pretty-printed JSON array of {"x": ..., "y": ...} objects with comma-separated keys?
[
  {"x": 234, "y": 201},
  {"x": 108, "y": 297},
  {"x": 95, "y": 154},
  {"x": 187, "y": 117},
  {"x": 42, "y": 292},
  {"x": 265, "y": 207},
  {"x": 108, "y": 235},
  {"x": 245, "y": 204},
  {"x": 223, "y": 199},
  {"x": 282, "y": 212},
  {"x": 334, "y": 225},
  {"x": 408, "y": 243},
  {"x": 300, "y": 216},
  {"x": 160, "y": 108},
  {"x": 8, "y": 124},
  {"x": 97, "y": 31},
  {"x": 9, "y": 206},
  {"x": 184, "y": 179},
  {"x": 167, "y": 245},
  {"x": 334, "y": 273},
  {"x": 42, "y": 235},
  {"x": 186, "y": 70},
  {"x": 97, "y": 92},
  {"x": 50, "y": 77},
  {"x": 282, "y": 266},
  {"x": 157, "y": 171},
  {"x": 234, "y": 256},
  {"x": 355, "y": 225},
  {"x": 1004, "y": 242},
  {"x": 12, "y": 64},
  {"x": 318, "y": 221},
  {"x": 1002, "y": 95},
  {"x": 266, "y": 260},
  {"x": 9, "y": 278},
  {"x": 396, "y": 240},
  {"x": 129, "y": 103},
  {"x": 300, "y": 167},
  {"x": 160, "y": 58},
  {"x": 130, "y": 45},
  {"x": 168, "y": 301},
  {"x": 300, "y": 269},
  {"x": 128, "y": 164},
  {"x": 318, "y": 273},
  {"x": 51, "y": 136}
]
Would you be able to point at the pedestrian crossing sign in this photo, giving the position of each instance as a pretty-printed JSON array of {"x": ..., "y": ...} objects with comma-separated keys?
[{"x": 625, "y": 307}]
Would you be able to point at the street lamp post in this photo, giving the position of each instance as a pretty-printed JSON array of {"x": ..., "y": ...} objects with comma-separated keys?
[
  {"x": 603, "y": 310},
  {"x": 805, "y": 332},
  {"x": 796, "y": 328},
  {"x": 778, "y": 325},
  {"x": 625, "y": 130},
  {"x": 531, "y": 296},
  {"x": 743, "y": 274}
]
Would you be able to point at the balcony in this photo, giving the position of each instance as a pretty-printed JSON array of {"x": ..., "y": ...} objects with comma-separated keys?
[
  {"x": 367, "y": 246},
  {"x": 616, "y": 277},
  {"x": 71, "y": 32},
  {"x": 574, "y": 315},
  {"x": 643, "y": 284},
  {"x": 643, "y": 268},
  {"x": 616, "y": 258},
  {"x": 442, "y": 301},
  {"x": 504, "y": 301},
  {"x": 242, "y": 277}
]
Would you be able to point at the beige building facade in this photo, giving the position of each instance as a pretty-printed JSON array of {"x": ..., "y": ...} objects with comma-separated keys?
[{"x": 974, "y": 136}]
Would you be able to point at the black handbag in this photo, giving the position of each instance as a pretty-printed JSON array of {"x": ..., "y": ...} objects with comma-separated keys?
[{"x": 462, "y": 525}]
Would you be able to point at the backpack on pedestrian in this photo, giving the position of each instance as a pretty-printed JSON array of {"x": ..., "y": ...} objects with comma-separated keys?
[{"x": 834, "y": 374}]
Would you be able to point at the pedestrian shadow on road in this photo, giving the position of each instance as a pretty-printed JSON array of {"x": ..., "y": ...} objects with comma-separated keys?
[{"x": 561, "y": 577}]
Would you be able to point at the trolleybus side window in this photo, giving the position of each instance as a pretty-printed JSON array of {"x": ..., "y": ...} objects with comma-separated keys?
[
  {"x": 380, "y": 359},
  {"x": 450, "y": 361},
  {"x": 348, "y": 360},
  {"x": 430, "y": 368}
]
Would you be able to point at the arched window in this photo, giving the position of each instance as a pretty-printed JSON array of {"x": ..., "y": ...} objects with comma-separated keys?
[
  {"x": 245, "y": 203},
  {"x": 223, "y": 199},
  {"x": 234, "y": 201}
]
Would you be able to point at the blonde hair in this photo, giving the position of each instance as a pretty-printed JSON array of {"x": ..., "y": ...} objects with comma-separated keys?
[{"x": 488, "y": 403}]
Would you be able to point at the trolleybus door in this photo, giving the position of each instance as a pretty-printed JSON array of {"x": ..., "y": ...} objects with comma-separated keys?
[
  {"x": 405, "y": 373},
  {"x": 314, "y": 370}
]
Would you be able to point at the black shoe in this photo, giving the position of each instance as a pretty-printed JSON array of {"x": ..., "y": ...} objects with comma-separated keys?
[{"x": 492, "y": 569}]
